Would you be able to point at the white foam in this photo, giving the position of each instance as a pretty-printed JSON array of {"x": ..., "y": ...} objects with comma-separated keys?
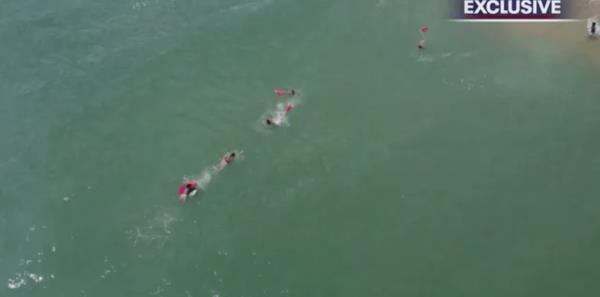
[
  {"x": 139, "y": 5},
  {"x": 157, "y": 291},
  {"x": 167, "y": 221},
  {"x": 425, "y": 59},
  {"x": 166, "y": 282},
  {"x": 36, "y": 278},
  {"x": 204, "y": 179},
  {"x": 16, "y": 283},
  {"x": 156, "y": 231},
  {"x": 136, "y": 235},
  {"x": 109, "y": 270},
  {"x": 279, "y": 116},
  {"x": 20, "y": 279}
]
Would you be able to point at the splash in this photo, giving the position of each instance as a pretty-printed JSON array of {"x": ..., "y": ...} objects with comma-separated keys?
[
  {"x": 203, "y": 179},
  {"x": 21, "y": 279},
  {"x": 109, "y": 269},
  {"x": 279, "y": 116},
  {"x": 16, "y": 282},
  {"x": 155, "y": 233}
]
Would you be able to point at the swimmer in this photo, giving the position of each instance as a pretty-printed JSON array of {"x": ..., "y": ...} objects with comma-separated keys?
[
  {"x": 278, "y": 119},
  {"x": 422, "y": 44},
  {"x": 283, "y": 92},
  {"x": 187, "y": 189},
  {"x": 592, "y": 27},
  {"x": 274, "y": 120},
  {"x": 227, "y": 159}
]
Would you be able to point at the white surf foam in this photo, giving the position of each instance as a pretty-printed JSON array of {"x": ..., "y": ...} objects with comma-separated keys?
[{"x": 22, "y": 278}]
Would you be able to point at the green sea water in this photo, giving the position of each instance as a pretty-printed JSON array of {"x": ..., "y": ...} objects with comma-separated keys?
[{"x": 469, "y": 169}]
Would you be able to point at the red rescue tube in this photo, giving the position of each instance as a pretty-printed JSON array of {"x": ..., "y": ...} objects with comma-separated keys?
[{"x": 289, "y": 107}]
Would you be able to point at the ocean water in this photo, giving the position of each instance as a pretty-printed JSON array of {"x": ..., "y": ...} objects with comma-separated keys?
[{"x": 469, "y": 169}]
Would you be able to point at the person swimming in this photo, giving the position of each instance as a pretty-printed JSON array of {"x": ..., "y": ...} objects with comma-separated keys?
[
  {"x": 423, "y": 43},
  {"x": 284, "y": 92},
  {"x": 226, "y": 160},
  {"x": 187, "y": 189},
  {"x": 277, "y": 119}
]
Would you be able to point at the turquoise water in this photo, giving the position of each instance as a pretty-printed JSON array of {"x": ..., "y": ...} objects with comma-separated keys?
[{"x": 467, "y": 170}]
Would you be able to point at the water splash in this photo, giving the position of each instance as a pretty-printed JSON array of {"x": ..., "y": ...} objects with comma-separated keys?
[
  {"x": 155, "y": 233},
  {"x": 279, "y": 116},
  {"x": 203, "y": 179},
  {"x": 21, "y": 279}
]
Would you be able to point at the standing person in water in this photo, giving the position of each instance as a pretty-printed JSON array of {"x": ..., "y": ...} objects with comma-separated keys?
[
  {"x": 226, "y": 160},
  {"x": 187, "y": 189},
  {"x": 592, "y": 27}
]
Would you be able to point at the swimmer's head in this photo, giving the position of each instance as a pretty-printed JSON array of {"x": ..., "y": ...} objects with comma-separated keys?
[
  {"x": 232, "y": 154},
  {"x": 293, "y": 92},
  {"x": 269, "y": 122}
]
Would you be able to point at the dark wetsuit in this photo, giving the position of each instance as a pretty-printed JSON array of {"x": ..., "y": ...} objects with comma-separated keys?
[{"x": 189, "y": 188}]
